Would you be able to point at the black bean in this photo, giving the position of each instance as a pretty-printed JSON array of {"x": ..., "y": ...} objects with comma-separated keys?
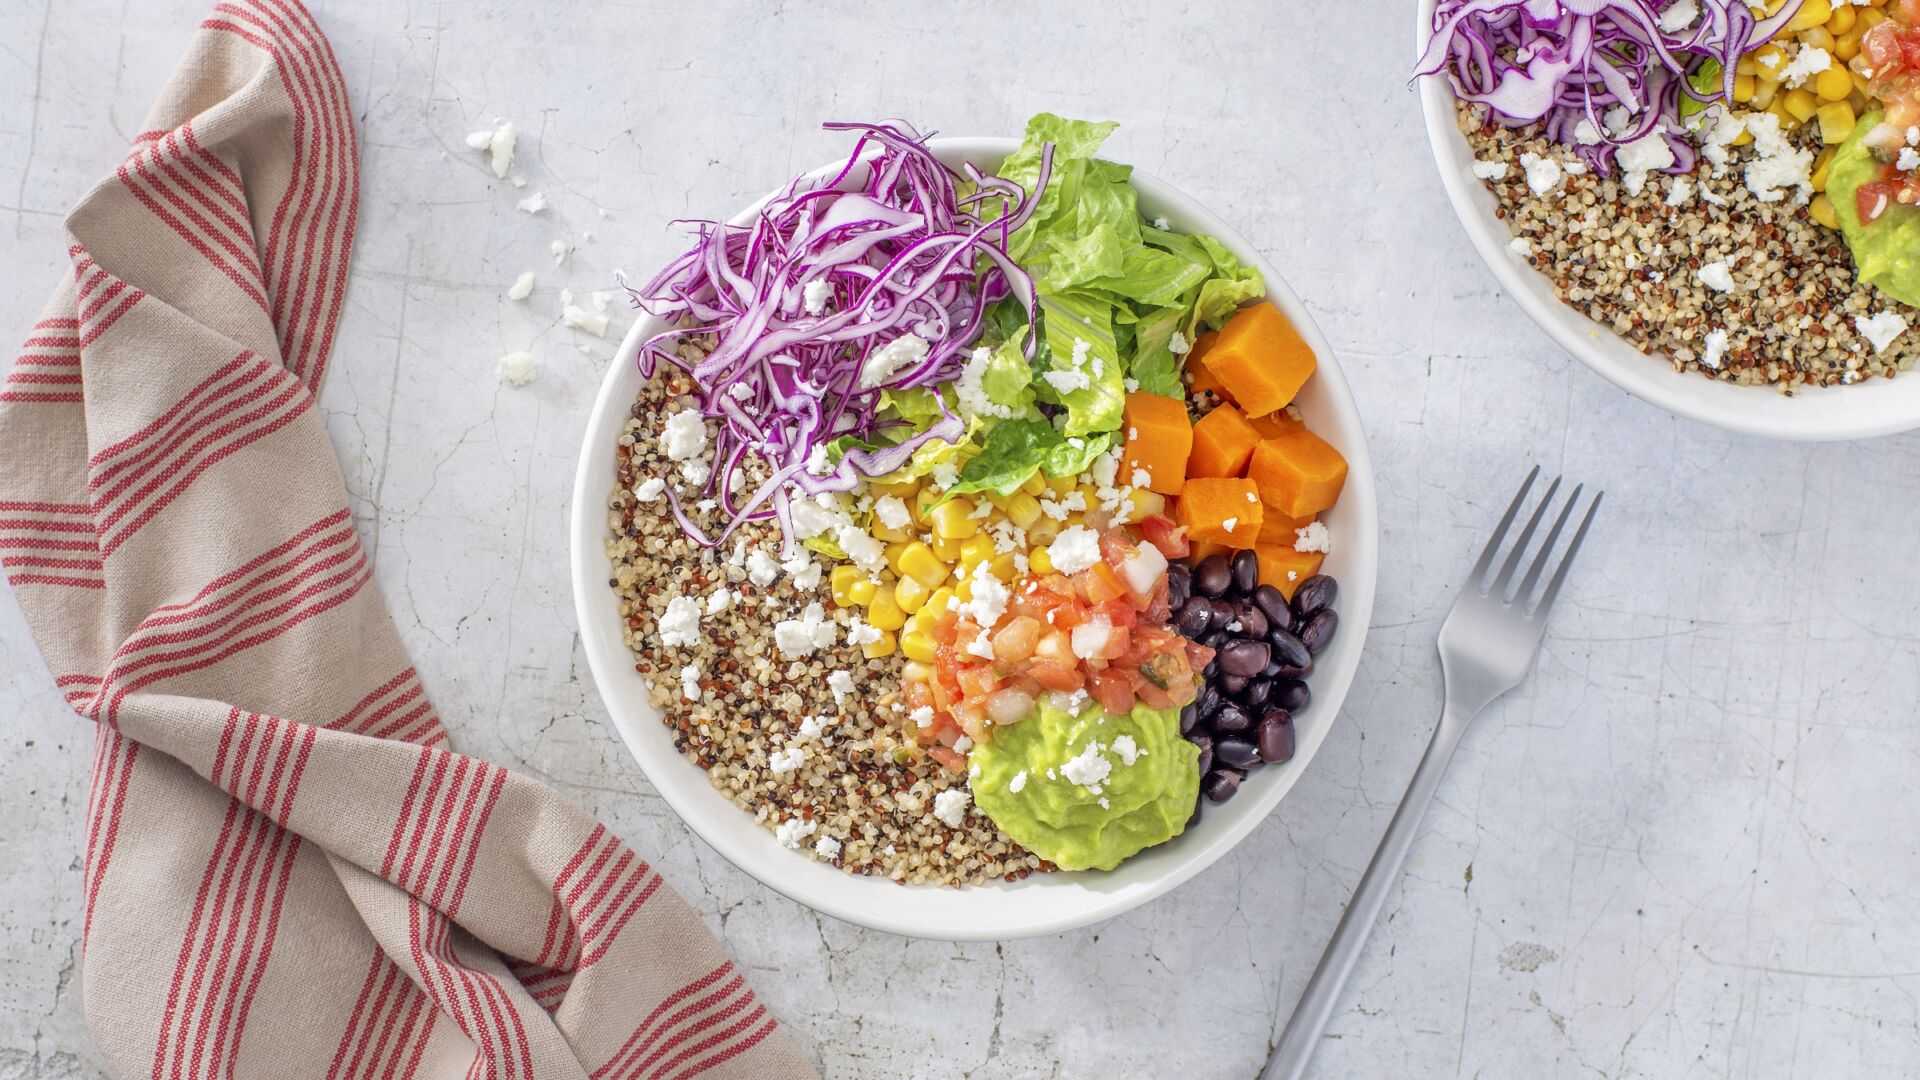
[
  {"x": 1318, "y": 633},
  {"x": 1289, "y": 650},
  {"x": 1205, "y": 743},
  {"x": 1291, "y": 695},
  {"x": 1212, "y": 576},
  {"x": 1231, "y": 719},
  {"x": 1313, "y": 594},
  {"x": 1232, "y": 685},
  {"x": 1211, "y": 670},
  {"x": 1207, "y": 702},
  {"x": 1238, "y": 753},
  {"x": 1253, "y": 622},
  {"x": 1300, "y": 671},
  {"x": 1195, "y": 617},
  {"x": 1275, "y": 738},
  {"x": 1189, "y": 717},
  {"x": 1257, "y": 692},
  {"x": 1246, "y": 572},
  {"x": 1215, "y": 639},
  {"x": 1273, "y": 604},
  {"x": 1224, "y": 611},
  {"x": 1194, "y": 819},
  {"x": 1220, "y": 784},
  {"x": 1271, "y": 671},
  {"x": 1179, "y": 588},
  {"x": 1179, "y": 572},
  {"x": 1244, "y": 657}
]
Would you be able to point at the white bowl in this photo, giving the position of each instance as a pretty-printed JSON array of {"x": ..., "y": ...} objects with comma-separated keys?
[
  {"x": 1042, "y": 903},
  {"x": 1875, "y": 407}
]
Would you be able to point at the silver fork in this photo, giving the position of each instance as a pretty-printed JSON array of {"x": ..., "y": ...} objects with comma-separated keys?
[{"x": 1486, "y": 646}]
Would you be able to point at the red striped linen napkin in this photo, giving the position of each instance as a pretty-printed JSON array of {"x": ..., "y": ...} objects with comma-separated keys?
[{"x": 287, "y": 872}]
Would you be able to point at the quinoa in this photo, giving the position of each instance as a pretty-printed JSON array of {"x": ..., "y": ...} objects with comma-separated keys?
[
  {"x": 861, "y": 796},
  {"x": 1633, "y": 264}
]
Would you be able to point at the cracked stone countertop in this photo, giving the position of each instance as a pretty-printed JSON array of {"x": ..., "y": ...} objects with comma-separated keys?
[{"x": 1684, "y": 847}]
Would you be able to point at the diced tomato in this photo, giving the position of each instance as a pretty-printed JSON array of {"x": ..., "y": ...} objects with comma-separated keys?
[
  {"x": 943, "y": 627},
  {"x": 1872, "y": 198},
  {"x": 1117, "y": 546},
  {"x": 1099, "y": 584},
  {"x": 977, "y": 681},
  {"x": 1054, "y": 675},
  {"x": 953, "y": 759},
  {"x": 1016, "y": 638},
  {"x": 1113, "y": 690},
  {"x": 1119, "y": 613},
  {"x": 1171, "y": 539}
]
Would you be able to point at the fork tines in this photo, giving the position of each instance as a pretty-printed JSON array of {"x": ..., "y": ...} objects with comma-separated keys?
[{"x": 1501, "y": 586}]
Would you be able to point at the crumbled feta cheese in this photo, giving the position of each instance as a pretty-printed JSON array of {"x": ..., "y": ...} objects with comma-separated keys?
[
  {"x": 1313, "y": 538},
  {"x": 1726, "y": 129},
  {"x": 516, "y": 368},
  {"x": 950, "y": 806},
  {"x": 946, "y": 474},
  {"x": 690, "y": 682},
  {"x": 1909, "y": 159},
  {"x": 793, "y": 830},
  {"x": 1678, "y": 16},
  {"x": 1679, "y": 192},
  {"x": 1128, "y": 750},
  {"x": 971, "y": 387},
  {"x": 533, "y": 204},
  {"x": 963, "y": 744},
  {"x": 782, "y": 762},
  {"x": 1649, "y": 153},
  {"x": 683, "y": 436},
  {"x": 841, "y": 684},
  {"x": 1162, "y": 224},
  {"x": 1076, "y": 548},
  {"x": 1178, "y": 344},
  {"x": 890, "y": 359},
  {"x": 1230, "y": 524},
  {"x": 862, "y": 549},
  {"x": 990, "y": 597},
  {"x": 815, "y": 296},
  {"x": 922, "y": 716},
  {"x": 681, "y": 624},
  {"x": 1811, "y": 60},
  {"x": 1543, "y": 173},
  {"x": 1716, "y": 342},
  {"x": 522, "y": 287},
  {"x": 650, "y": 489},
  {"x": 827, "y": 848},
  {"x": 1088, "y": 768},
  {"x": 1880, "y": 329},
  {"x": 695, "y": 472},
  {"x": 1585, "y": 134},
  {"x": 1778, "y": 163},
  {"x": 719, "y": 600},
  {"x": 497, "y": 145},
  {"x": 860, "y": 632},
  {"x": 1716, "y": 276},
  {"x": 1491, "y": 170},
  {"x": 803, "y": 570},
  {"x": 761, "y": 569},
  {"x": 1066, "y": 382},
  {"x": 1018, "y": 782},
  {"x": 981, "y": 647},
  {"x": 801, "y": 636},
  {"x": 1521, "y": 246},
  {"x": 578, "y": 318}
]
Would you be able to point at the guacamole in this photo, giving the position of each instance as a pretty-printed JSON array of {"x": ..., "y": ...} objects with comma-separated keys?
[
  {"x": 1087, "y": 790},
  {"x": 1887, "y": 252}
]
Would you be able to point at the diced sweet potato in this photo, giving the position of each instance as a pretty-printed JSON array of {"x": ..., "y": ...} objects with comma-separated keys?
[
  {"x": 1199, "y": 378},
  {"x": 1205, "y": 548},
  {"x": 1261, "y": 359},
  {"x": 1224, "y": 510},
  {"x": 1223, "y": 442},
  {"x": 1299, "y": 474},
  {"x": 1278, "y": 528},
  {"x": 1284, "y": 568},
  {"x": 1275, "y": 424},
  {"x": 1159, "y": 438}
]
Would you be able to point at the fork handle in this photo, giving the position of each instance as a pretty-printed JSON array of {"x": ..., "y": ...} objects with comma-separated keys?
[{"x": 1322, "y": 995}]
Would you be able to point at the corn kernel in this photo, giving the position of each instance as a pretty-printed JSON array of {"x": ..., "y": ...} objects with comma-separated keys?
[
  {"x": 947, "y": 549},
  {"x": 890, "y": 535},
  {"x": 965, "y": 589},
  {"x": 1800, "y": 102},
  {"x": 1768, "y": 60},
  {"x": 915, "y": 645},
  {"x": 920, "y": 561},
  {"x": 1039, "y": 561},
  {"x": 1820, "y": 166},
  {"x": 1841, "y": 20},
  {"x": 1817, "y": 38},
  {"x": 975, "y": 551},
  {"x": 1022, "y": 509},
  {"x": 1846, "y": 46},
  {"x": 1873, "y": 16},
  {"x": 923, "y": 621},
  {"x": 1836, "y": 122},
  {"x": 1765, "y": 92},
  {"x": 911, "y": 594},
  {"x": 1833, "y": 84},
  {"x": 1861, "y": 84},
  {"x": 861, "y": 592},
  {"x": 1812, "y": 13},
  {"x": 1004, "y": 567},
  {"x": 1143, "y": 504},
  {"x": 915, "y": 671},
  {"x": 1034, "y": 484},
  {"x": 841, "y": 577},
  {"x": 954, "y": 519},
  {"x": 1745, "y": 137},
  {"x": 939, "y": 602},
  {"x": 1060, "y": 485},
  {"x": 904, "y": 490},
  {"x": 1747, "y": 65},
  {"x": 1821, "y": 210},
  {"x": 1743, "y": 87},
  {"x": 1044, "y": 530},
  {"x": 921, "y": 506},
  {"x": 894, "y": 552},
  {"x": 885, "y": 612},
  {"x": 874, "y": 650}
]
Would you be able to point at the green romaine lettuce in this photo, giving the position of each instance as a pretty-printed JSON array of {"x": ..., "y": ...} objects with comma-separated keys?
[{"x": 1016, "y": 449}]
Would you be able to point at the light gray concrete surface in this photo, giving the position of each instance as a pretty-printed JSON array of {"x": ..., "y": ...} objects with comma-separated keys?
[{"x": 1685, "y": 847}]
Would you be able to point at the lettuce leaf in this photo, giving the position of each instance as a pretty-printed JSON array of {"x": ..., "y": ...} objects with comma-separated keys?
[
  {"x": 1017, "y": 449},
  {"x": 1072, "y": 319}
]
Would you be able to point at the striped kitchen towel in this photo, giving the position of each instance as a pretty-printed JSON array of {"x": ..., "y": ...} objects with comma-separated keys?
[{"x": 287, "y": 873}]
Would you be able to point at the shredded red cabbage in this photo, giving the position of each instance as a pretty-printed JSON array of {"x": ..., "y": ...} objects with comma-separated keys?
[
  {"x": 1561, "y": 62},
  {"x": 901, "y": 269}
]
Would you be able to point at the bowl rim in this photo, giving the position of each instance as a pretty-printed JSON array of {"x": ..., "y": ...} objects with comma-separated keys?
[
  {"x": 1873, "y": 408},
  {"x": 994, "y": 911}
]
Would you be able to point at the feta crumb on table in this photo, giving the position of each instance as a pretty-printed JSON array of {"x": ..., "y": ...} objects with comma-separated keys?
[{"x": 516, "y": 368}]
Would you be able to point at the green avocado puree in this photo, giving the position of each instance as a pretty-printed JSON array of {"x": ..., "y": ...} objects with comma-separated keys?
[
  {"x": 1887, "y": 252},
  {"x": 1058, "y": 812}
]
